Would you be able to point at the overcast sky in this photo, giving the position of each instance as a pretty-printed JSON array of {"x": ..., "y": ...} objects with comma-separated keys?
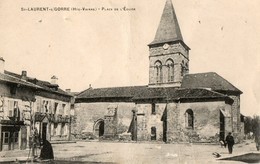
[{"x": 109, "y": 48}]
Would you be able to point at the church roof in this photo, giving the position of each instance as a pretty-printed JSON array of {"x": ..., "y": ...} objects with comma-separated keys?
[
  {"x": 135, "y": 93},
  {"x": 168, "y": 29},
  {"x": 208, "y": 80},
  {"x": 113, "y": 92},
  {"x": 173, "y": 93}
]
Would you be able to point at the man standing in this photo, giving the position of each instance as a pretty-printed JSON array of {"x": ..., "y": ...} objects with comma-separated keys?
[{"x": 230, "y": 142}]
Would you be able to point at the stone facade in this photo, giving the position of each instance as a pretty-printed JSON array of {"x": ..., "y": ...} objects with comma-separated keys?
[
  {"x": 15, "y": 105},
  {"x": 88, "y": 116},
  {"x": 55, "y": 123},
  {"x": 206, "y": 122},
  {"x": 238, "y": 127},
  {"x": 205, "y": 126},
  {"x": 147, "y": 119},
  {"x": 31, "y": 108},
  {"x": 161, "y": 58}
]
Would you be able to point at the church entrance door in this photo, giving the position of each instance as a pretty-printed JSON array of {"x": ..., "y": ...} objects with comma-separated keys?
[{"x": 99, "y": 128}]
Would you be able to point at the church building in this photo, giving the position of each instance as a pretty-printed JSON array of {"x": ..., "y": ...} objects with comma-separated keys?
[{"x": 174, "y": 107}]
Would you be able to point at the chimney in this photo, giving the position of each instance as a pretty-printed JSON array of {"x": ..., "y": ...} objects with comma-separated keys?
[
  {"x": 24, "y": 75},
  {"x": 90, "y": 87},
  {"x": 54, "y": 80},
  {"x": 68, "y": 90},
  {"x": 2, "y": 65}
]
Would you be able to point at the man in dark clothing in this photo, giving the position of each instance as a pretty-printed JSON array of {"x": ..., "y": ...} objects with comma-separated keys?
[
  {"x": 230, "y": 142},
  {"x": 46, "y": 151}
]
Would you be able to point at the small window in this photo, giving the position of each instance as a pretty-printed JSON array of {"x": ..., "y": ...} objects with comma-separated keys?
[
  {"x": 13, "y": 110},
  {"x": 189, "y": 118},
  {"x": 153, "y": 133},
  {"x": 153, "y": 108},
  {"x": 6, "y": 136}
]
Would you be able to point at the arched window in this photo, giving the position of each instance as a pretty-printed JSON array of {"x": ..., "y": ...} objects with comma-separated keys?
[
  {"x": 189, "y": 119},
  {"x": 170, "y": 70},
  {"x": 158, "y": 71}
]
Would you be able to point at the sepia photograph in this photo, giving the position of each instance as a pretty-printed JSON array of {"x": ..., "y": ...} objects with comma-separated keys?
[{"x": 129, "y": 82}]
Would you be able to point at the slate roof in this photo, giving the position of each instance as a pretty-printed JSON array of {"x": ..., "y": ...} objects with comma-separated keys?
[
  {"x": 174, "y": 93},
  {"x": 49, "y": 87},
  {"x": 15, "y": 80},
  {"x": 208, "y": 80},
  {"x": 114, "y": 92},
  {"x": 45, "y": 85},
  {"x": 168, "y": 29},
  {"x": 136, "y": 93}
]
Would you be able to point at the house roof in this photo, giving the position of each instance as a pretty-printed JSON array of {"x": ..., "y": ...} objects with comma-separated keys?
[
  {"x": 208, "y": 80},
  {"x": 45, "y": 85},
  {"x": 12, "y": 79},
  {"x": 168, "y": 29}
]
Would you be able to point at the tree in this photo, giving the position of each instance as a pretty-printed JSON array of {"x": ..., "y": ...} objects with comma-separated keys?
[
  {"x": 248, "y": 124},
  {"x": 256, "y": 125},
  {"x": 252, "y": 125}
]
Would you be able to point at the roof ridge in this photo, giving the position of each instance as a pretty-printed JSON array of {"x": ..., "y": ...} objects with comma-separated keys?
[
  {"x": 28, "y": 83},
  {"x": 200, "y": 73},
  {"x": 13, "y": 75},
  {"x": 120, "y": 87}
]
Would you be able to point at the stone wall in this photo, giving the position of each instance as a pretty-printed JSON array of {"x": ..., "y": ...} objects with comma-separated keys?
[
  {"x": 146, "y": 120},
  {"x": 206, "y": 124},
  {"x": 87, "y": 113},
  {"x": 177, "y": 53},
  {"x": 237, "y": 128}
]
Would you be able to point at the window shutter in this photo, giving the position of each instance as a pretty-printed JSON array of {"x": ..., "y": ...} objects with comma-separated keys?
[
  {"x": 42, "y": 106},
  {"x": 38, "y": 105},
  {"x": 5, "y": 107},
  {"x": 60, "y": 109},
  {"x": 16, "y": 109},
  {"x": 50, "y": 107},
  {"x": 10, "y": 108},
  {"x": 55, "y": 108}
]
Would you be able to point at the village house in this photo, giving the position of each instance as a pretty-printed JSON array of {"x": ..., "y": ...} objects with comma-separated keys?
[
  {"x": 175, "y": 106},
  {"x": 28, "y": 103}
]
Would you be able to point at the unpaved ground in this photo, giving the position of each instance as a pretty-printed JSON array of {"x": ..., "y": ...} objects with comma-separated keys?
[{"x": 140, "y": 153}]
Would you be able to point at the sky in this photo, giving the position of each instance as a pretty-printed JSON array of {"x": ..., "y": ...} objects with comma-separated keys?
[{"x": 109, "y": 48}]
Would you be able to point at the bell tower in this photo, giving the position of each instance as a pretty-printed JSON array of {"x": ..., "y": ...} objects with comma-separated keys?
[{"x": 169, "y": 55}]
